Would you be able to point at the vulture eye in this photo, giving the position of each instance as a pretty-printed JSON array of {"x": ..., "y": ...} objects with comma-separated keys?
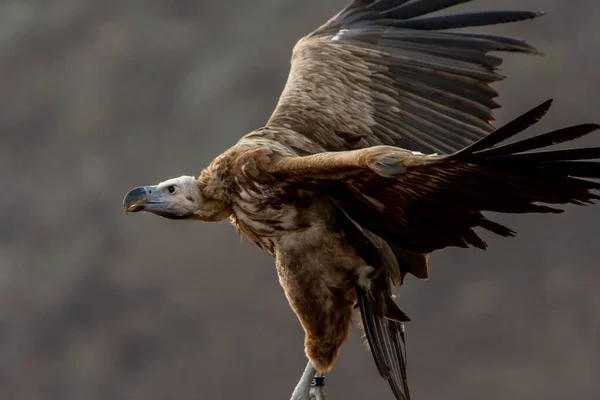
[{"x": 171, "y": 189}]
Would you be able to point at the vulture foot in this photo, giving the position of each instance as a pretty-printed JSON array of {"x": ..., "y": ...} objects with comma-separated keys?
[{"x": 309, "y": 387}]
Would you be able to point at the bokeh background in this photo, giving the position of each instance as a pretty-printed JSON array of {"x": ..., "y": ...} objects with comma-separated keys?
[{"x": 98, "y": 96}]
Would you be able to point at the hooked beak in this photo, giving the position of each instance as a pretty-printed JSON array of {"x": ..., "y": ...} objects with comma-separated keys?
[{"x": 143, "y": 198}]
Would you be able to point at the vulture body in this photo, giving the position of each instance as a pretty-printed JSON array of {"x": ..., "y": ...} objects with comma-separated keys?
[{"x": 379, "y": 152}]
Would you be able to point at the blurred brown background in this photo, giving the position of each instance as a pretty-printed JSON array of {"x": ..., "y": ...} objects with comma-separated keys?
[{"x": 99, "y": 96}]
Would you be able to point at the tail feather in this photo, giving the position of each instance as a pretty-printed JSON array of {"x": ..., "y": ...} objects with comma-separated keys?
[{"x": 385, "y": 339}]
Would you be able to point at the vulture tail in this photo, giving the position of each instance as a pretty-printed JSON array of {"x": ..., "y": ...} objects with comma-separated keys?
[{"x": 386, "y": 341}]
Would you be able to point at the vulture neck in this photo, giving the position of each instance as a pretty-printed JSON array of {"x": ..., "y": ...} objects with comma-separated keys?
[{"x": 214, "y": 204}]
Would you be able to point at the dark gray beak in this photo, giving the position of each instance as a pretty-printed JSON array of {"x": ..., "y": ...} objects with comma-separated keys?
[{"x": 140, "y": 198}]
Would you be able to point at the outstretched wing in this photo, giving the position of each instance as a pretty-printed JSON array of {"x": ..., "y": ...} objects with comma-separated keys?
[
  {"x": 378, "y": 74},
  {"x": 425, "y": 203}
]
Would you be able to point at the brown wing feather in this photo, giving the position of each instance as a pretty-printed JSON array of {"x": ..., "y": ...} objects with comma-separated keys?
[
  {"x": 375, "y": 75},
  {"x": 425, "y": 203}
]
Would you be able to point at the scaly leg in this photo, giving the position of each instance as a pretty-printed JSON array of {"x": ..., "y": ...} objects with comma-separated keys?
[
  {"x": 317, "y": 391},
  {"x": 305, "y": 389}
]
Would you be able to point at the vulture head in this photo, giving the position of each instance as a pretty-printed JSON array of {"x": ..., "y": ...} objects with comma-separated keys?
[{"x": 177, "y": 198}]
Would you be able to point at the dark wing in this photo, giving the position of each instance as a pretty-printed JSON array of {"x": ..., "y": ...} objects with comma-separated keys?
[
  {"x": 386, "y": 340},
  {"x": 425, "y": 203},
  {"x": 379, "y": 73},
  {"x": 382, "y": 320}
]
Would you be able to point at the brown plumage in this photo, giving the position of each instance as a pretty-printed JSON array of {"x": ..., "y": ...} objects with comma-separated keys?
[
  {"x": 335, "y": 189},
  {"x": 374, "y": 64}
]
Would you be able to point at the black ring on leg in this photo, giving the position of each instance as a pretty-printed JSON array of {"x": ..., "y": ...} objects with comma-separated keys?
[{"x": 318, "y": 381}]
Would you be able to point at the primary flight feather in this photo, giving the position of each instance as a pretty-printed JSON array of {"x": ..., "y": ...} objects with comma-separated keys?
[{"x": 379, "y": 152}]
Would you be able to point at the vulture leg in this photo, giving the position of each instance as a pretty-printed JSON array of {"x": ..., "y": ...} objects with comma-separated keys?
[
  {"x": 309, "y": 387},
  {"x": 317, "y": 390}
]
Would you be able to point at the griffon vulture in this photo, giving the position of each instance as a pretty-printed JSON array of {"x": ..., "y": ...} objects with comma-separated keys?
[{"x": 379, "y": 152}]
